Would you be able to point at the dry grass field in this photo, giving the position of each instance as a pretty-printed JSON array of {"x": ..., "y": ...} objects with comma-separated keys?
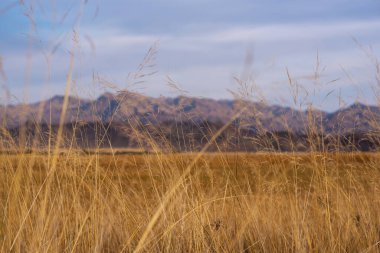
[
  {"x": 57, "y": 196},
  {"x": 216, "y": 202}
]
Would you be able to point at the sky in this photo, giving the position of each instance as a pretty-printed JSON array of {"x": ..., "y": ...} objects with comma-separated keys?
[{"x": 289, "y": 52}]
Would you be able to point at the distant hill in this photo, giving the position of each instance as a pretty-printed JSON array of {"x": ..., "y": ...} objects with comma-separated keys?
[
  {"x": 118, "y": 115},
  {"x": 119, "y": 108}
]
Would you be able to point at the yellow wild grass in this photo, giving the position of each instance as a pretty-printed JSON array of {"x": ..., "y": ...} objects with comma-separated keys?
[
  {"x": 272, "y": 203},
  {"x": 197, "y": 202}
]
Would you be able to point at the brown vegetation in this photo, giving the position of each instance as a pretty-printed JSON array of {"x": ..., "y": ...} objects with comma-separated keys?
[
  {"x": 60, "y": 192},
  {"x": 314, "y": 202}
]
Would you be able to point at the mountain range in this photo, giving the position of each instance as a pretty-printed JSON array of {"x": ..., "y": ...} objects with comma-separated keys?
[{"x": 119, "y": 112}]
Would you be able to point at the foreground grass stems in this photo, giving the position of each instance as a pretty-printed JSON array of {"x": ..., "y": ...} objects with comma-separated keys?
[{"x": 76, "y": 199}]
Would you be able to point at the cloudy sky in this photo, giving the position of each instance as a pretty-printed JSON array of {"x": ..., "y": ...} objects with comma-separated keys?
[{"x": 328, "y": 47}]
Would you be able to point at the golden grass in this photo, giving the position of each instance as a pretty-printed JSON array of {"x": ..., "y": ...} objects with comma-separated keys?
[
  {"x": 64, "y": 200},
  {"x": 314, "y": 202}
]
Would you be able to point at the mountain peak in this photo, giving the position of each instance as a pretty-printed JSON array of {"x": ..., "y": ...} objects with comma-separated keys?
[
  {"x": 107, "y": 96},
  {"x": 358, "y": 105},
  {"x": 57, "y": 98}
]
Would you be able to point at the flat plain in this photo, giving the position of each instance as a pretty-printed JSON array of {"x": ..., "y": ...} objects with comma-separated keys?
[{"x": 190, "y": 202}]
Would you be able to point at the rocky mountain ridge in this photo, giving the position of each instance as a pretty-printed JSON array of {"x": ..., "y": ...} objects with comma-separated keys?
[{"x": 123, "y": 107}]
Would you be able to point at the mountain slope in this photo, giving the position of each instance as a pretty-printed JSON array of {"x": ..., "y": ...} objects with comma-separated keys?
[{"x": 258, "y": 117}]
